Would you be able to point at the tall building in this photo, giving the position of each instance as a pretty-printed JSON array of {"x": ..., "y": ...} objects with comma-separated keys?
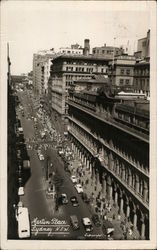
[
  {"x": 68, "y": 68},
  {"x": 41, "y": 70},
  {"x": 122, "y": 70},
  {"x": 107, "y": 51},
  {"x": 110, "y": 134},
  {"x": 143, "y": 47}
]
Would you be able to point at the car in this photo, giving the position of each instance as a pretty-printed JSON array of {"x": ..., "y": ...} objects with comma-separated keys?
[
  {"x": 74, "y": 222},
  {"x": 73, "y": 179},
  {"x": 87, "y": 224},
  {"x": 50, "y": 192},
  {"x": 74, "y": 201},
  {"x": 41, "y": 157},
  {"x": 96, "y": 220},
  {"x": 21, "y": 191},
  {"x": 64, "y": 199},
  {"x": 79, "y": 188}
]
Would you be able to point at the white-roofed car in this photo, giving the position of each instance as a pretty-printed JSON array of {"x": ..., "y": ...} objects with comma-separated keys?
[
  {"x": 21, "y": 191},
  {"x": 87, "y": 224},
  {"x": 79, "y": 188},
  {"x": 41, "y": 157},
  {"x": 73, "y": 179}
]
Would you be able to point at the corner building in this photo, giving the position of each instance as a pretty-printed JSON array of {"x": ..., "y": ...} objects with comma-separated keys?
[
  {"x": 111, "y": 137},
  {"x": 65, "y": 70}
]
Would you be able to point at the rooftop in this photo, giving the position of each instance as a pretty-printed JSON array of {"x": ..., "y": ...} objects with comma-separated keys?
[{"x": 81, "y": 57}]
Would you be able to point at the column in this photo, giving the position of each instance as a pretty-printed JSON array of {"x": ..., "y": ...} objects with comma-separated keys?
[
  {"x": 72, "y": 146},
  {"x": 115, "y": 197},
  {"x": 90, "y": 166},
  {"x": 109, "y": 187},
  {"x": 129, "y": 178},
  {"x": 80, "y": 155},
  {"x": 85, "y": 160},
  {"x": 87, "y": 164},
  {"x": 121, "y": 203},
  {"x": 135, "y": 219},
  {"x": 127, "y": 208},
  {"x": 145, "y": 191},
  {"x": 103, "y": 184},
  {"x": 143, "y": 227},
  {"x": 97, "y": 177},
  {"x": 137, "y": 184},
  {"x": 123, "y": 172}
]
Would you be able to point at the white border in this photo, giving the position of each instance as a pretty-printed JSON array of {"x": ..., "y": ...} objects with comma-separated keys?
[{"x": 17, "y": 244}]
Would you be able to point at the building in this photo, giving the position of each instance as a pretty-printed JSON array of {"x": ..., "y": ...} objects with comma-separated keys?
[
  {"x": 143, "y": 47},
  {"x": 68, "y": 68},
  {"x": 122, "y": 70},
  {"x": 107, "y": 51},
  {"x": 142, "y": 76},
  {"x": 96, "y": 83},
  {"x": 75, "y": 49},
  {"x": 111, "y": 137},
  {"x": 142, "y": 66},
  {"x": 41, "y": 70}
]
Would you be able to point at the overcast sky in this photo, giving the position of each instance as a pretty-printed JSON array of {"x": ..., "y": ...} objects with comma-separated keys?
[{"x": 30, "y": 26}]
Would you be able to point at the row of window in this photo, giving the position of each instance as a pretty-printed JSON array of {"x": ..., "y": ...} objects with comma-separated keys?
[
  {"x": 126, "y": 81},
  {"x": 141, "y": 71},
  {"x": 123, "y": 71},
  {"x": 108, "y": 52}
]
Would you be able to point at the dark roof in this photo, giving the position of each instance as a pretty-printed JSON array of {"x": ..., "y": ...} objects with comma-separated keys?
[
  {"x": 95, "y": 79},
  {"x": 81, "y": 57}
]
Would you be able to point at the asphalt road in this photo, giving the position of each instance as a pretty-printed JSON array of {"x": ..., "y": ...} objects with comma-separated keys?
[{"x": 35, "y": 194}]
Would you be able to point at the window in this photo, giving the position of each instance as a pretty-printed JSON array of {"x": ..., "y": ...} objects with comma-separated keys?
[
  {"x": 121, "y": 81},
  {"x": 128, "y": 72},
  {"x": 127, "y": 81},
  {"x": 102, "y": 70},
  {"x": 122, "y": 71}
]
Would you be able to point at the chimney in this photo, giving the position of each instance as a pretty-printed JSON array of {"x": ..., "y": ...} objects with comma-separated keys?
[{"x": 86, "y": 47}]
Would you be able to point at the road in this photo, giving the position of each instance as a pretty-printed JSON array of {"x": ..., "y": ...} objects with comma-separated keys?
[{"x": 35, "y": 188}]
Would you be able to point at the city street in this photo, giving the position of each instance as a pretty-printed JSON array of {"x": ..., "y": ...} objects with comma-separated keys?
[{"x": 35, "y": 197}]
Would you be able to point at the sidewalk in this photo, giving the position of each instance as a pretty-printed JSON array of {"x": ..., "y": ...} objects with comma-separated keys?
[{"x": 93, "y": 189}]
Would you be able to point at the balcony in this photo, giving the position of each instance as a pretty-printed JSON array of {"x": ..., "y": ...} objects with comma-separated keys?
[
  {"x": 128, "y": 159},
  {"x": 94, "y": 152},
  {"x": 110, "y": 121}
]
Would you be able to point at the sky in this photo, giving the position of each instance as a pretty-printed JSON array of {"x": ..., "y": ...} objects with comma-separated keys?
[{"x": 30, "y": 26}]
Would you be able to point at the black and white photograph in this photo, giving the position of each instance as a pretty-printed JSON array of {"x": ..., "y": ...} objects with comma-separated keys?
[{"x": 78, "y": 137}]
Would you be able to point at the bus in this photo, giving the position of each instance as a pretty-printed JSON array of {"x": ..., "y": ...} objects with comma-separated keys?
[{"x": 23, "y": 222}]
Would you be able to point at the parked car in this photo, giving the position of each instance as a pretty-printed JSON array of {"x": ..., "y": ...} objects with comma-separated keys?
[
  {"x": 74, "y": 201},
  {"x": 74, "y": 222},
  {"x": 21, "y": 191},
  {"x": 64, "y": 199},
  {"x": 79, "y": 188},
  {"x": 96, "y": 220},
  {"x": 87, "y": 224},
  {"x": 73, "y": 179}
]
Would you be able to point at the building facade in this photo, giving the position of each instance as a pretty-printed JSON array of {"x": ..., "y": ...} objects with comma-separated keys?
[
  {"x": 41, "y": 71},
  {"x": 121, "y": 71},
  {"x": 142, "y": 76},
  {"x": 111, "y": 137},
  {"x": 74, "y": 49},
  {"x": 107, "y": 51},
  {"x": 143, "y": 47},
  {"x": 68, "y": 68}
]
